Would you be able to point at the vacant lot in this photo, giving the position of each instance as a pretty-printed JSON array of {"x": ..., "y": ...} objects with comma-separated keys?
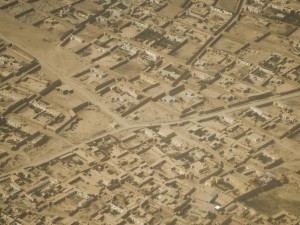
[
  {"x": 228, "y": 45},
  {"x": 283, "y": 198},
  {"x": 228, "y": 5}
]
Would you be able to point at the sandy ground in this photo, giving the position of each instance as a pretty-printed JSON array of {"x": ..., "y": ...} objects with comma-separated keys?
[{"x": 43, "y": 45}]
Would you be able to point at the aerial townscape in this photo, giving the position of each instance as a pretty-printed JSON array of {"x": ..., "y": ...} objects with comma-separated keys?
[{"x": 149, "y": 112}]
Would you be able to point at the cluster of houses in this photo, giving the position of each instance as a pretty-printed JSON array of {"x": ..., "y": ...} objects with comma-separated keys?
[{"x": 200, "y": 120}]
